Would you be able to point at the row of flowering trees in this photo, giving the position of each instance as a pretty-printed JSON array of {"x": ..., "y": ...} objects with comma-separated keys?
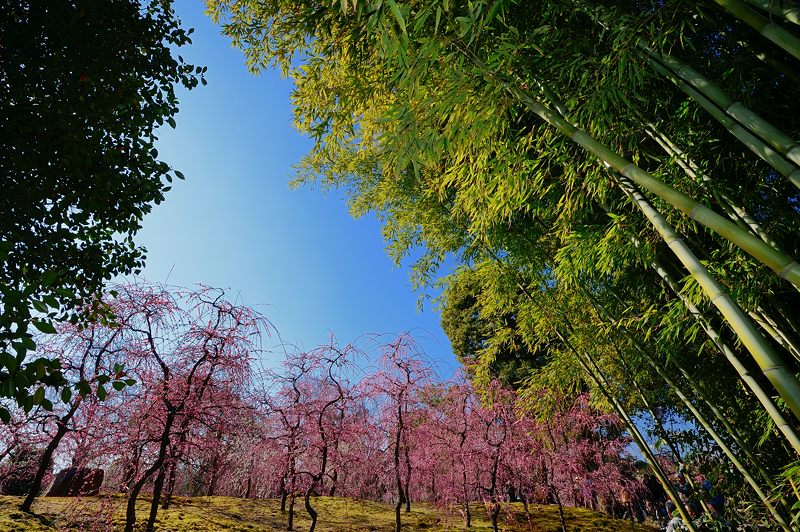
[{"x": 168, "y": 399}]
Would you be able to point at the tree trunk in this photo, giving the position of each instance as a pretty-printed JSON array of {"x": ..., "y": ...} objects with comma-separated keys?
[
  {"x": 397, "y": 507},
  {"x": 290, "y": 524},
  {"x": 398, "y": 480},
  {"x": 334, "y": 479},
  {"x": 561, "y": 518},
  {"x": 47, "y": 457},
  {"x": 173, "y": 466},
  {"x": 130, "y": 511},
  {"x": 312, "y": 513},
  {"x": 158, "y": 486},
  {"x": 408, "y": 482}
]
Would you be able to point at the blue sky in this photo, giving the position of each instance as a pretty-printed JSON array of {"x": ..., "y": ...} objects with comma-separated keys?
[{"x": 296, "y": 255}]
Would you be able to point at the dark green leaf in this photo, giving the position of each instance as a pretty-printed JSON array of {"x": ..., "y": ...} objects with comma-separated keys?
[{"x": 44, "y": 326}]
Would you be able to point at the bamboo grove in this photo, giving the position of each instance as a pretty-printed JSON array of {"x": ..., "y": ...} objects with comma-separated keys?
[{"x": 617, "y": 179}]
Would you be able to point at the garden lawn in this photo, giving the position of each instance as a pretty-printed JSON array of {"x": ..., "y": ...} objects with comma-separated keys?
[{"x": 335, "y": 514}]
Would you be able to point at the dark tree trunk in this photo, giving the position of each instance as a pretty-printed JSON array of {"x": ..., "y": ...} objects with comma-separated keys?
[
  {"x": 158, "y": 487},
  {"x": 173, "y": 467},
  {"x": 129, "y": 473},
  {"x": 312, "y": 513},
  {"x": 334, "y": 479},
  {"x": 212, "y": 483},
  {"x": 47, "y": 457},
  {"x": 554, "y": 491},
  {"x": 408, "y": 481},
  {"x": 397, "y": 507},
  {"x": 290, "y": 525},
  {"x": 130, "y": 511},
  {"x": 495, "y": 514},
  {"x": 398, "y": 480}
]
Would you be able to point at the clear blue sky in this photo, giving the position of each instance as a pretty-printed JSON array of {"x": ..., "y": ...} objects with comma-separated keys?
[{"x": 297, "y": 256}]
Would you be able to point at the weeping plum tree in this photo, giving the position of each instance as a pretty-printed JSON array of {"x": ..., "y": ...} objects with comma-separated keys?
[
  {"x": 402, "y": 373},
  {"x": 319, "y": 423},
  {"x": 91, "y": 362},
  {"x": 181, "y": 345}
]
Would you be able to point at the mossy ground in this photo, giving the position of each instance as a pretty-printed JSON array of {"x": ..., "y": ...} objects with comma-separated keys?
[{"x": 335, "y": 514}]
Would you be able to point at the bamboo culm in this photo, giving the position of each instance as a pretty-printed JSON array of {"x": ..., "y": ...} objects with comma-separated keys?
[
  {"x": 763, "y": 139},
  {"x": 602, "y": 386},
  {"x": 767, "y": 359},
  {"x": 785, "y": 9},
  {"x": 785, "y": 266},
  {"x": 749, "y": 380},
  {"x": 763, "y": 25},
  {"x": 733, "y": 210},
  {"x": 709, "y": 428}
]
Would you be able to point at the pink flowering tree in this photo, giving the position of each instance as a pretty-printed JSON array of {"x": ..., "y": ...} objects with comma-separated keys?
[
  {"x": 281, "y": 398},
  {"x": 451, "y": 435},
  {"x": 494, "y": 428},
  {"x": 327, "y": 397},
  {"x": 402, "y": 371},
  {"x": 92, "y": 364},
  {"x": 181, "y": 344}
]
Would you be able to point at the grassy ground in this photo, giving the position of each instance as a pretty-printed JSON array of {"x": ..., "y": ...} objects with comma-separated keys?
[{"x": 335, "y": 514}]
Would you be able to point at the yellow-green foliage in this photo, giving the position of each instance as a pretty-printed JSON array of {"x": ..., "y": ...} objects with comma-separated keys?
[{"x": 335, "y": 514}]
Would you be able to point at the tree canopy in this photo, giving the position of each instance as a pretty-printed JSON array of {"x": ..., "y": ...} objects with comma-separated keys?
[{"x": 84, "y": 87}]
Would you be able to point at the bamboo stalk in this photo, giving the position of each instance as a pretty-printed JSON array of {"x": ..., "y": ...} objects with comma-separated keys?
[
  {"x": 784, "y": 265},
  {"x": 734, "y": 434},
  {"x": 774, "y": 156},
  {"x": 762, "y": 25},
  {"x": 602, "y": 385},
  {"x": 776, "y": 138},
  {"x": 699, "y": 416},
  {"x": 695, "y": 386},
  {"x": 735, "y": 212},
  {"x": 769, "y": 328},
  {"x": 753, "y": 142},
  {"x": 764, "y": 139},
  {"x": 757, "y": 463},
  {"x": 768, "y": 360},
  {"x": 786, "y": 314},
  {"x": 789, "y": 341},
  {"x": 722, "y": 445},
  {"x": 644, "y": 448},
  {"x": 659, "y": 427},
  {"x": 772, "y": 62},
  {"x": 750, "y": 381},
  {"x": 785, "y": 9}
]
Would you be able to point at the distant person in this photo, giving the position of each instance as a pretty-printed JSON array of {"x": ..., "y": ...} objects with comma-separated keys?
[{"x": 675, "y": 521}]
